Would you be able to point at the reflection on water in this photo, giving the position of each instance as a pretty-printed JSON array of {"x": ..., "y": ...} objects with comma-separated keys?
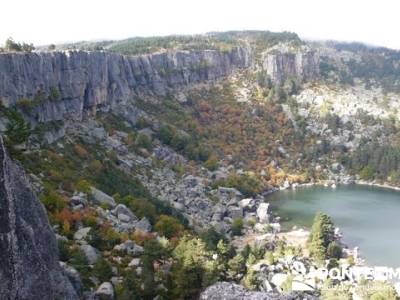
[{"x": 369, "y": 217}]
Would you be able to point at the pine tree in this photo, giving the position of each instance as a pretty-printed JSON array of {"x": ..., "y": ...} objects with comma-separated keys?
[
  {"x": 18, "y": 130},
  {"x": 322, "y": 234}
]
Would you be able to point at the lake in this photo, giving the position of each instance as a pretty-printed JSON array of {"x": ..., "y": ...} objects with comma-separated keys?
[{"x": 368, "y": 217}]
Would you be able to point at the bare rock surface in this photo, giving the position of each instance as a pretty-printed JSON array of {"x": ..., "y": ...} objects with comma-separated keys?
[
  {"x": 29, "y": 265},
  {"x": 232, "y": 291}
]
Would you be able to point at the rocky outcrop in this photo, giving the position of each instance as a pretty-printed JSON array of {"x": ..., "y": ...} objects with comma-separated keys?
[
  {"x": 283, "y": 62},
  {"x": 70, "y": 84},
  {"x": 232, "y": 291},
  {"x": 29, "y": 266},
  {"x": 105, "y": 291}
]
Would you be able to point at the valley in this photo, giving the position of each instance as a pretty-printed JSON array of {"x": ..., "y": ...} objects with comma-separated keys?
[{"x": 158, "y": 160}]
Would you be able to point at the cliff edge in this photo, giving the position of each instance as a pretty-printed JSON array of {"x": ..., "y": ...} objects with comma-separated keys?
[{"x": 29, "y": 265}]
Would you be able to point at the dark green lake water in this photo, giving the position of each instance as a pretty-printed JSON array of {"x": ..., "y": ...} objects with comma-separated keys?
[{"x": 368, "y": 217}]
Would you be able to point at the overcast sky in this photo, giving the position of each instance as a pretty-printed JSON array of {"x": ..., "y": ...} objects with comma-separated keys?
[{"x": 55, "y": 21}]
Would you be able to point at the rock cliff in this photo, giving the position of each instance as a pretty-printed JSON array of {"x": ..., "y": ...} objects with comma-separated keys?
[
  {"x": 29, "y": 266},
  {"x": 69, "y": 84},
  {"x": 283, "y": 62}
]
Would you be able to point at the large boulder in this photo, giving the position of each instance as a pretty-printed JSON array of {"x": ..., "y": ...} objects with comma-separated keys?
[
  {"x": 248, "y": 204},
  {"x": 105, "y": 291},
  {"x": 135, "y": 262},
  {"x": 226, "y": 194},
  {"x": 143, "y": 225},
  {"x": 279, "y": 279},
  {"x": 101, "y": 198},
  {"x": 263, "y": 213},
  {"x": 91, "y": 253},
  {"x": 29, "y": 264},
  {"x": 130, "y": 247},
  {"x": 73, "y": 276},
  {"x": 82, "y": 233},
  {"x": 124, "y": 214},
  {"x": 235, "y": 212}
]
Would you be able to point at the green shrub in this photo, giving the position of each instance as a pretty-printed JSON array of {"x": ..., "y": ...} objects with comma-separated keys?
[
  {"x": 375, "y": 290},
  {"x": 79, "y": 261},
  {"x": 102, "y": 270},
  {"x": 25, "y": 104},
  {"x": 103, "y": 239},
  {"x": 113, "y": 181},
  {"x": 367, "y": 173},
  {"x": 144, "y": 141},
  {"x": 140, "y": 207},
  {"x": 166, "y": 134},
  {"x": 269, "y": 256},
  {"x": 168, "y": 226},
  {"x": 83, "y": 186},
  {"x": 179, "y": 169},
  {"x": 54, "y": 94},
  {"x": 212, "y": 163},
  {"x": 237, "y": 226},
  {"x": 180, "y": 141},
  {"x": 335, "y": 292},
  {"x": 63, "y": 250},
  {"x": 248, "y": 185},
  {"x": 211, "y": 237},
  {"x": 142, "y": 123},
  {"x": 52, "y": 201}
]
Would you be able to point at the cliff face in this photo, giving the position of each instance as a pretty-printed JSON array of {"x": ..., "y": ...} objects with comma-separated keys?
[
  {"x": 281, "y": 63},
  {"x": 86, "y": 80},
  {"x": 29, "y": 267}
]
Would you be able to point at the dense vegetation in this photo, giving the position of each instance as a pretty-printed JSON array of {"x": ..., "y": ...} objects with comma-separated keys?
[
  {"x": 257, "y": 141},
  {"x": 223, "y": 41},
  {"x": 374, "y": 161},
  {"x": 374, "y": 65}
]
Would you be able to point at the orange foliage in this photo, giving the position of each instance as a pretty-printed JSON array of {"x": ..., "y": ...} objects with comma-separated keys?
[
  {"x": 67, "y": 215},
  {"x": 80, "y": 151},
  {"x": 141, "y": 237}
]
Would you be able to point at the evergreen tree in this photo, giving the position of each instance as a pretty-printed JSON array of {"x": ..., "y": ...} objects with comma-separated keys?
[
  {"x": 102, "y": 270},
  {"x": 153, "y": 251},
  {"x": 322, "y": 234},
  {"x": 195, "y": 267},
  {"x": 211, "y": 238},
  {"x": 17, "y": 130}
]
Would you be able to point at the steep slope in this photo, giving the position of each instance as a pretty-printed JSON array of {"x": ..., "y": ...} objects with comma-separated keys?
[
  {"x": 29, "y": 267},
  {"x": 180, "y": 140},
  {"x": 59, "y": 85}
]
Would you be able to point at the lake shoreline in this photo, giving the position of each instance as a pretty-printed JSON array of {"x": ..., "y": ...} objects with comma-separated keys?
[
  {"x": 333, "y": 184},
  {"x": 347, "y": 243},
  {"x": 384, "y": 185}
]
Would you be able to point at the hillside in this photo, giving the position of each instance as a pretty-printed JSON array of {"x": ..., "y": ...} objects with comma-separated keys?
[{"x": 152, "y": 155}]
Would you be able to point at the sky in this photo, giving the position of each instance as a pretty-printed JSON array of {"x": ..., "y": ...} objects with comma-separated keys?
[{"x": 56, "y": 21}]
